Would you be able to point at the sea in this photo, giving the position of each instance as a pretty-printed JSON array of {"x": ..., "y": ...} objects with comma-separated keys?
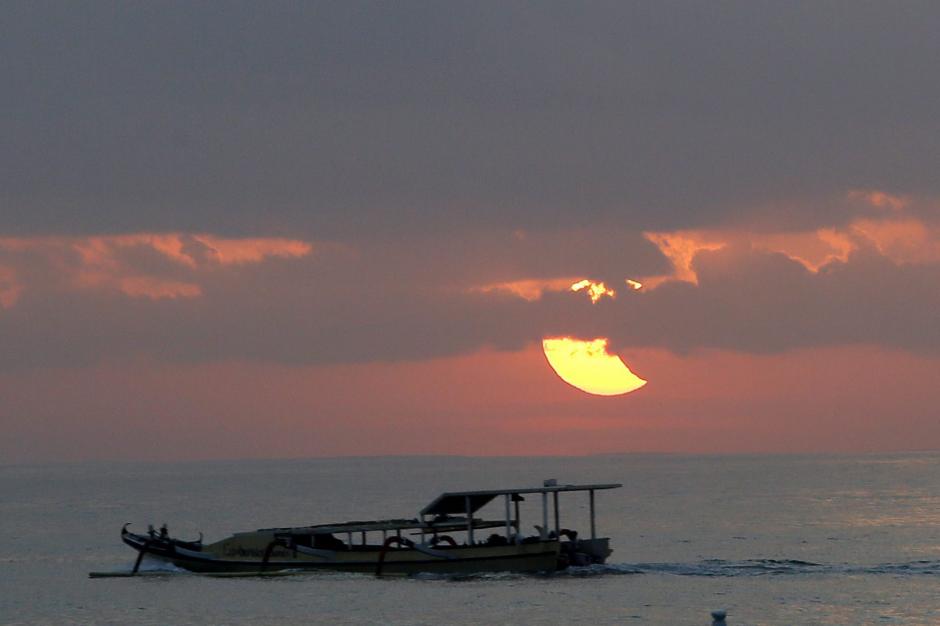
[{"x": 815, "y": 539}]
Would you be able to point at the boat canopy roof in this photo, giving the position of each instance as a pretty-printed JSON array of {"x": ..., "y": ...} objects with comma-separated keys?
[
  {"x": 447, "y": 524},
  {"x": 456, "y": 501},
  {"x": 449, "y": 510}
]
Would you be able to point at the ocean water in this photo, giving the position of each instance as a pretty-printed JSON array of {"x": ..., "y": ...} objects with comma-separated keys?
[{"x": 772, "y": 539}]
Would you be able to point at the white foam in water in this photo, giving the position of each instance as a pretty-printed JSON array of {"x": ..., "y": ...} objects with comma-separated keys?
[{"x": 149, "y": 564}]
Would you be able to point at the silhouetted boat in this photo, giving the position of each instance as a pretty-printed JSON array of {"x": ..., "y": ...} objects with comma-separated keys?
[{"x": 444, "y": 538}]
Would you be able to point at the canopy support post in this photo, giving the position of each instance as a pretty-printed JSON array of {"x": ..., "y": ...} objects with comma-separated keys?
[
  {"x": 469, "y": 520},
  {"x": 593, "y": 527},
  {"x": 557, "y": 526},
  {"x": 508, "y": 519},
  {"x": 544, "y": 532}
]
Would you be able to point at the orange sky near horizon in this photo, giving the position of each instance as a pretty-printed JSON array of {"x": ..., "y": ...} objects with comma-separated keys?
[{"x": 486, "y": 403}]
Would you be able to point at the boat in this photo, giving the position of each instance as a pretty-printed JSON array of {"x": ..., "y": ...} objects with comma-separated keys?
[{"x": 447, "y": 537}]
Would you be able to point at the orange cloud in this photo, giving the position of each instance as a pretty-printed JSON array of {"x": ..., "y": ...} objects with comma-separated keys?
[
  {"x": 900, "y": 237},
  {"x": 241, "y": 251},
  {"x": 879, "y": 199},
  {"x": 529, "y": 289},
  {"x": 108, "y": 261},
  {"x": 901, "y": 240},
  {"x": 680, "y": 247},
  {"x": 156, "y": 289},
  {"x": 192, "y": 250},
  {"x": 812, "y": 249}
]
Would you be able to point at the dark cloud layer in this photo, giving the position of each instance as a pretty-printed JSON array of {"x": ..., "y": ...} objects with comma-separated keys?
[
  {"x": 341, "y": 305},
  {"x": 332, "y": 120}
]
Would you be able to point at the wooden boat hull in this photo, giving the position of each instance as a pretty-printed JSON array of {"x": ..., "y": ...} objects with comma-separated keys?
[{"x": 245, "y": 553}]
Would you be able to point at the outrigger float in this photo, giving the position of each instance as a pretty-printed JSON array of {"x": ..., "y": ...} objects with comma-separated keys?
[{"x": 445, "y": 538}]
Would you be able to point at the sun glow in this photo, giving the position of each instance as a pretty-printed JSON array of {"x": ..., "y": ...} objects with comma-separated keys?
[
  {"x": 595, "y": 291},
  {"x": 587, "y": 366}
]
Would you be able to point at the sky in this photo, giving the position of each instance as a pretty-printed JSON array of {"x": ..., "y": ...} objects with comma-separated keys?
[{"x": 308, "y": 229}]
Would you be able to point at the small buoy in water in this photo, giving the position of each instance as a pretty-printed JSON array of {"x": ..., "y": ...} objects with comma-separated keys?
[{"x": 718, "y": 617}]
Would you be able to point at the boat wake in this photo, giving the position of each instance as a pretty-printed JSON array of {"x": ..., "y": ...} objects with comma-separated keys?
[
  {"x": 148, "y": 567},
  {"x": 758, "y": 567},
  {"x": 161, "y": 567}
]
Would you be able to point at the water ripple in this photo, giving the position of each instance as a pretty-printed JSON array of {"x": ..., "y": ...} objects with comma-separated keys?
[{"x": 760, "y": 567}]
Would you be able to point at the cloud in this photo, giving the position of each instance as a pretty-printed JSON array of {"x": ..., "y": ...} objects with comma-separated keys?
[
  {"x": 198, "y": 298},
  {"x": 530, "y": 289},
  {"x": 759, "y": 301},
  {"x": 901, "y": 238},
  {"x": 680, "y": 248},
  {"x": 141, "y": 265},
  {"x": 879, "y": 199}
]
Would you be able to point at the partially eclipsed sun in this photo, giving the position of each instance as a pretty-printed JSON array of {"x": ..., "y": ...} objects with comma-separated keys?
[{"x": 587, "y": 366}]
